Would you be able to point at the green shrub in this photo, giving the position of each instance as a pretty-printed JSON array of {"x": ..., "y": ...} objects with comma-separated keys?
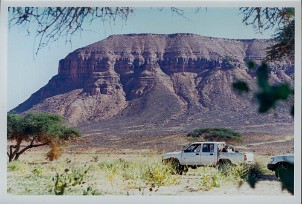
[
  {"x": 69, "y": 178},
  {"x": 14, "y": 166},
  {"x": 17, "y": 166},
  {"x": 216, "y": 134},
  {"x": 36, "y": 172},
  {"x": 158, "y": 174},
  {"x": 139, "y": 175},
  {"x": 114, "y": 168},
  {"x": 37, "y": 129},
  {"x": 133, "y": 172},
  {"x": 115, "y": 164},
  {"x": 254, "y": 172},
  {"x": 210, "y": 178},
  {"x": 241, "y": 173}
]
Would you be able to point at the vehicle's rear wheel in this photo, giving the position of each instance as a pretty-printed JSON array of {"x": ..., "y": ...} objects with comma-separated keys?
[{"x": 224, "y": 165}]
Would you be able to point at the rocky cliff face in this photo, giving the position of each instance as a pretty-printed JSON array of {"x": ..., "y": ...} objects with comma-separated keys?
[{"x": 144, "y": 79}]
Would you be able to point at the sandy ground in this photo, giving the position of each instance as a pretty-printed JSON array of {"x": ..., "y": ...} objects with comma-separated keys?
[{"x": 262, "y": 144}]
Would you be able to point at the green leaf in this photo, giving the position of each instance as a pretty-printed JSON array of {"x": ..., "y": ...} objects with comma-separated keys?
[
  {"x": 250, "y": 64},
  {"x": 241, "y": 86},
  {"x": 282, "y": 91},
  {"x": 263, "y": 76},
  {"x": 266, "y": 101}
]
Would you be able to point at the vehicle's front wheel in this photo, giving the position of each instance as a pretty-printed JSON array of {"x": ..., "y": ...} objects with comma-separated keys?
[{"x": 179, "y": 169}]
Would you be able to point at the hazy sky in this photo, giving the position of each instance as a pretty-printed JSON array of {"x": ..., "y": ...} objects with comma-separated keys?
[{"x": 28, "y": 72}]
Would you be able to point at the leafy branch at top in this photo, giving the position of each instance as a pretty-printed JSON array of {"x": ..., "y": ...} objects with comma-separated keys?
[
  {"x": 55, "y": 22},
  {"x": 264, "y": 18}
]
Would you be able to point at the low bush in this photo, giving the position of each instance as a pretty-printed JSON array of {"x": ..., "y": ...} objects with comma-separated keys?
[
  {"x": 240, "y": 173},
  {"x": 158, "y": 174},
  {"x": 17, "y": 166},
  {"x": 216, "y": 134},
  {"x": 70, "y": 178},
  {"x": 139, "y": 175},
  {"x": 114, "y": 168},
  {"x": 210, "y": 178},
  {"x": 14, "y": 166}
]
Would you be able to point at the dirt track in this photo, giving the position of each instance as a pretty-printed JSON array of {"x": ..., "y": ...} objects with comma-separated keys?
[{"x": 261, "y": 144}]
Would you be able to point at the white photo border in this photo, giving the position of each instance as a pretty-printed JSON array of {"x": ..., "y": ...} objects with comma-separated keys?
[{"x": 6, "y": 198}]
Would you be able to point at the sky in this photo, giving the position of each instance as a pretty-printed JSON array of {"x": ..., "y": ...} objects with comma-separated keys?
[{"x": 28, "y": 72}]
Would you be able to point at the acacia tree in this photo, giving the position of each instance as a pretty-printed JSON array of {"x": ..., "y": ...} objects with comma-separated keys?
[
  {"x": 216, "y": 134},
  {"x": 35, "y": 130}
]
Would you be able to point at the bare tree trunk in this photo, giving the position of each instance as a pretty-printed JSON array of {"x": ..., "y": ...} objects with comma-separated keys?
[
  {"x": 13, "y": 153},
  {"x": 10, "y": 154}
]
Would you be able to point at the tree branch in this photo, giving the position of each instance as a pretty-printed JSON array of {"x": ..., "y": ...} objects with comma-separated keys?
[
  {"x": 31, "y": 146},
  {"x": 54, "y": 22}
]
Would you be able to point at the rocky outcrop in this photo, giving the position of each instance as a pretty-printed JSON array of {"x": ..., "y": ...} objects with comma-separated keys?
[{"x": 154, "y": 79}]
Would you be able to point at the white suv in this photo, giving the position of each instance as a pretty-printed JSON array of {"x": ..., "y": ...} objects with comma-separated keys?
[{"x": 280, "y": 161}]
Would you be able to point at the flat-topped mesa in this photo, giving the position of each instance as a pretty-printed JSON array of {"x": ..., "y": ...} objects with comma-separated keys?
[
  {"x": 135, "y": 53},
  {"x": 173, "y": 79}
]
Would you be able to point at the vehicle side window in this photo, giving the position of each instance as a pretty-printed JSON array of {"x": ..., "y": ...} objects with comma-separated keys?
[
  {"x": 193, "y": 148},
  {"x": 211, "y": 147},
  {"x": 208, "y": 148},
  {"x": 205, "y": 148}
]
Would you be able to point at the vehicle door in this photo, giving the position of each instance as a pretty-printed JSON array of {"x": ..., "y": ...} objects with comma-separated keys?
[
  {"x": 208, "y": 154},
  {"x": 191, "y": 155}
]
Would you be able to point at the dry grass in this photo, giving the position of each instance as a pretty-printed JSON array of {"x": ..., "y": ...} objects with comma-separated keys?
[
  {"x": 117, "y": 174},
  {"x": 130, "y": 169}
]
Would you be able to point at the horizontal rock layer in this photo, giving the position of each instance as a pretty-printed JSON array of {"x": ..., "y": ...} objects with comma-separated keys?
[{"x": 175, "y": 80}]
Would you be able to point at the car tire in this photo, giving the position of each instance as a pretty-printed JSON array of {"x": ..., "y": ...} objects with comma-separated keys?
[
  {"x": 177, "y": 166},
  {"x": 179, "y": 169},
  {"x": 223, "y": 165}
]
